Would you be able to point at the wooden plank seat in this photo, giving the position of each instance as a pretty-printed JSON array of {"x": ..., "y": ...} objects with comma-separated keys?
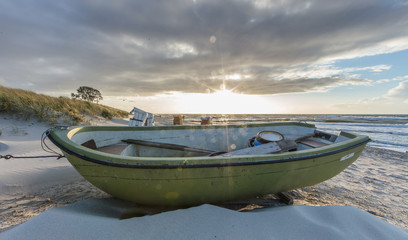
[
  {"x": 113, "y": 149},
  {"x": 267, "y": 148},
  {"x": 313, "y": 143}
]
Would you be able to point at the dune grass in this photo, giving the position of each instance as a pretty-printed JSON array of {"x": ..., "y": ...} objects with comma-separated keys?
[{"x": 53, "y": 110}]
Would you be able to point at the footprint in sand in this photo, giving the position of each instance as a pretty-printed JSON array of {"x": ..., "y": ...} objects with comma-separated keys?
[{"x": 3, "y": 147}]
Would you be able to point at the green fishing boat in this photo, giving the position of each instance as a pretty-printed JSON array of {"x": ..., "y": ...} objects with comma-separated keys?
[{"x": 191, "y": 165}]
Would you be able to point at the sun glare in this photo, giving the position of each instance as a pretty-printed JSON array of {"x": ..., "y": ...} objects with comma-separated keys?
[
  {"x": 222, "y": 101},
  {"x": 225, "y": 101}
]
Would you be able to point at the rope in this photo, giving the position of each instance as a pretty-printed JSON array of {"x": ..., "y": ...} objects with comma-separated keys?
[
  {"x": 8, "y": 156},
  {"x": 44, "y": 147}
]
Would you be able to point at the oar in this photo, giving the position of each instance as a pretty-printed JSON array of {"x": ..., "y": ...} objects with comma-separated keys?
[{"x": 168, "y": 146}]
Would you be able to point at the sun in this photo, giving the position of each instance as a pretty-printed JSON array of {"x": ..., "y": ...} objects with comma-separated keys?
[{"x": 224, "y": 101}]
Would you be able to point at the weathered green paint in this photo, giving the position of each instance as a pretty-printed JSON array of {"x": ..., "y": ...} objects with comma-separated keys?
[{"x": 187, "y": 181}]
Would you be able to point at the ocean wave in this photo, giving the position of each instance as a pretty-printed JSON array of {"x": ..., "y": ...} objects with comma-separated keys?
[
  {"x": 365, "y": 131},
  {"x": 371, "y": 125},
  {"x": 400, "y": 133},
  {"x": 372, "y": 117},
  {"x": 390, "y": 143},
  {"x": 389, "y": 147}
]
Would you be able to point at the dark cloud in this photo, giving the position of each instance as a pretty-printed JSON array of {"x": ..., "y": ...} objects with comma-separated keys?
[{"x": 150, "y": 47}]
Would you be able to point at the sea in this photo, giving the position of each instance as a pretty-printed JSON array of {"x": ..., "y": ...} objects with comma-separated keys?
[{"x": 386, "y": 131}]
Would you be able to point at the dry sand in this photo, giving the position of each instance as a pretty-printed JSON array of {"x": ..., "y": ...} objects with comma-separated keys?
[
  {"x": 376, "y": 183},
  {"x": 99, "y": 219}
]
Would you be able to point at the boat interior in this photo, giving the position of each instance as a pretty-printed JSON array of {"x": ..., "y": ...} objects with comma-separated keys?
[{"x": 209, "y": 141}]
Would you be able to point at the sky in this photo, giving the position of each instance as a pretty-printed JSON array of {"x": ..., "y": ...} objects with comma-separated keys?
[{"x": 232, "y": 56}]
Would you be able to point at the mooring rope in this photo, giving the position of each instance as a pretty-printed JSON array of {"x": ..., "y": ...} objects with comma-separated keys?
[
  {"x": 44, "y": 147},
  {"x": 8, "y": 156}
]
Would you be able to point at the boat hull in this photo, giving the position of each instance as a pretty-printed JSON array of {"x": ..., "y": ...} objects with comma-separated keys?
[{"x": 196, "y": 180}]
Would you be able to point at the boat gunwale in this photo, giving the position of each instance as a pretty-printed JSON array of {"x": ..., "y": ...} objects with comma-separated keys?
[{"x": 186, "y": 162}]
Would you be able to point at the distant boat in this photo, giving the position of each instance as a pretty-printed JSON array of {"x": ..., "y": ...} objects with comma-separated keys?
[{"x": 191, "y": 165}]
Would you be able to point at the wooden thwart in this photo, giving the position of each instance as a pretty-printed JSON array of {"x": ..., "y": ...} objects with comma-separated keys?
[
  {"x": 312, "y": 143},
  {"x": 272, "y": 147},
  {"x": 89, "y": 144},
  {"x": 113, "y": 149}
]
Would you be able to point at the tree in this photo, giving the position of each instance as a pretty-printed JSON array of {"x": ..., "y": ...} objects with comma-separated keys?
[{"x": 88, "y": 94}]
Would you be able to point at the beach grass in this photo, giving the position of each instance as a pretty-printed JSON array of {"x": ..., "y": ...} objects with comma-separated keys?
[{"x": 53, "y": 110}]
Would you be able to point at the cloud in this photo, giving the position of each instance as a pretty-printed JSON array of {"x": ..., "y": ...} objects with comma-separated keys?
[
  {"x": 152, "y": 47},
  {"x": 301, "y": 85},
  {"x": 395, "y": 100},
  {"x": 398, "y": 78},
  {"x": 400, "y": 92},
  {"x": 326, "y": 71}
]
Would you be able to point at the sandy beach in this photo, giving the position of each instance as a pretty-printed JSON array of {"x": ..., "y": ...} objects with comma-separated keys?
[
  {"x": 323, "y": 83},
  {"x": 376, "y": 183}
]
